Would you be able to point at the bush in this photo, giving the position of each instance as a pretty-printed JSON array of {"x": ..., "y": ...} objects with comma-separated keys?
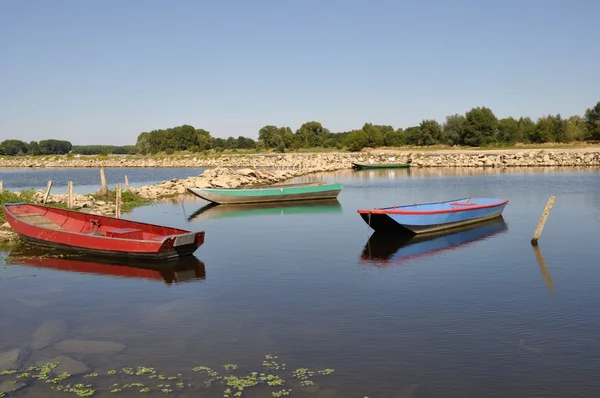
[{"x": 169, "y": 151}]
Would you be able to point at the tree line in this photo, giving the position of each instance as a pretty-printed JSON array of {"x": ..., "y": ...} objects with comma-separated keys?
[
  {"x": 12, "y": 147},
  {"x": 477, "y": 127}
]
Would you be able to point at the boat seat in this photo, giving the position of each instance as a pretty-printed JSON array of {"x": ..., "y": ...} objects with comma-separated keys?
[
  {"x": 463, "y": 204},
  {"x": 39, "y": 221},
  {"x": 125, "y": 233},
  {"x": 95, "y": 233}
]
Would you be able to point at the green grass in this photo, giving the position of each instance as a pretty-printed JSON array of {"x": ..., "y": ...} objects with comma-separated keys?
[
  {"x": 6, "y": 196},
  {"x": 129, "y": 200}
]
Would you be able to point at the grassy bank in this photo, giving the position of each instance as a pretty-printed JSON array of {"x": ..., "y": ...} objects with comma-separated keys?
[{"x": 129, "y": 200}]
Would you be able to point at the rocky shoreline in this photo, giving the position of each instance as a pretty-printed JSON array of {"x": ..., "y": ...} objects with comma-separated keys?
[{"x": 327, "y": 161}]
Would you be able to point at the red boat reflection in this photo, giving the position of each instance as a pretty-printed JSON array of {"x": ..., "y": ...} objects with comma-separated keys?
[{"x": 183, "y": 269}]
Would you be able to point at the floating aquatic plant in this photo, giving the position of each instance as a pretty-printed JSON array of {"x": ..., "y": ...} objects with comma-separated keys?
[{"x": 149, "y": 379}]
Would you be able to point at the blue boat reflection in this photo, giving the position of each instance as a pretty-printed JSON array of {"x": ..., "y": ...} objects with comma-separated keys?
[{"x": 383, "y": 250}]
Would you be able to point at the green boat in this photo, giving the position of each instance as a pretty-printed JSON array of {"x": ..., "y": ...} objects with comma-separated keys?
[
  {"x": 364, "y": 166},
  {"x": 215, "y": 211},
  {"x": 270, "y": 193}
]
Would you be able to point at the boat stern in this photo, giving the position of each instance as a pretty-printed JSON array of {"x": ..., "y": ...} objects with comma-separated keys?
[{"x": 181, "y": 245}]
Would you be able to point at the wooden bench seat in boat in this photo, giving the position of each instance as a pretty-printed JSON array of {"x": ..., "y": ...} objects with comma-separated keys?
[
  {"x": 125, "y": 233},
  {"x": 38, "y": 220}
]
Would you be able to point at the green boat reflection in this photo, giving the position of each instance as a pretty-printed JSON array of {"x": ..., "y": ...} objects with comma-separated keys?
[{"x": 215, "y": 211}]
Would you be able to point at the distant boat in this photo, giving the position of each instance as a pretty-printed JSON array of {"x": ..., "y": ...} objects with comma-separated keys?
[
  {"x": 385, "y": 249},
  {"x": 364, "y": 166},
  {"x": 213, "y": 210},
  {"x": 94, "y": 234},
  {"x": 269, "y": 193},
  {"x": 182, "y": 269},
  {"x": 432, "y": 217}
]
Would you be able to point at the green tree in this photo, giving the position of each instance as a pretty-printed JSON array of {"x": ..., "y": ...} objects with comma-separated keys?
[
  {"x": 273, "y": 136},
  {"x": 412, "y": 135},
  {"x": 204, "y": 139},
  {"x": 356, "y": 140},
  {"x": 34, "y": 148},
  {"x": 481, "y": 127},
  {"x": 245, "y": 143},
  {"x": 13, "y": 147},
  {"x": 54, "y": 147},
  {"x": 575, "y": 130},
  {"x": 526, "y": 129},
  {"x": 431, "y": 133},
  {"x": 592, "y": 120},
  {"x": 394, "y": 138},
  {"x": 508, "y": 131},
  {"x": 544, "y": 130},
  {"x": 310, "y": 135},
  {"x": 374, "y": 135},
  {"x": 453, "y": 129}
]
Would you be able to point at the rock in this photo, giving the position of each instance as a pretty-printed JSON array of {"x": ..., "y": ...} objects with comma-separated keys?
[
  {"x": 90, "y": 347},
  {"x": 48, "y": 333},
  {"x": 66, "y": 365},
  {"x": 12, "y": 359},
  {"x": 8, "y": 236},
  {"x": 221, "y": 182},
  {"x": 246, "y": 172}
]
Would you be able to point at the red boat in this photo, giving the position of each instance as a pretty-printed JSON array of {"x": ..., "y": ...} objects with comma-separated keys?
[{"x": 90, "y": 233}]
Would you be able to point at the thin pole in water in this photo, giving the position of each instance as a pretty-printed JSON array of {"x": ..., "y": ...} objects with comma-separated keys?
[{"x": 542, "y": 222}]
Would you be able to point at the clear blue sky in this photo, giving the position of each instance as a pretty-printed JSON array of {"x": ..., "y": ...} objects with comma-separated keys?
[{"x": 101, "y": 72}]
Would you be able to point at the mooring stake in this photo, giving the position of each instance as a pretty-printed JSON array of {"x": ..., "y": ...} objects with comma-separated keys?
[{"x": 542, "y": 222}]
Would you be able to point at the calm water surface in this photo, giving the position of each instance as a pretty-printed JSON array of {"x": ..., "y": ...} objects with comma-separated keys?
[
  {"x": 473, "y": 314},
  {"x": 87, "y": 180}
]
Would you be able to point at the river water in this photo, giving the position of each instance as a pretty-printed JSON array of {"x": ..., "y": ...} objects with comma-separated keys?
[{"x": 478, "y": 313}]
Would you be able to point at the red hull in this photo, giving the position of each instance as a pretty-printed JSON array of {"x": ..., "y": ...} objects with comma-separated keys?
[{"x": 89, "y": 233}]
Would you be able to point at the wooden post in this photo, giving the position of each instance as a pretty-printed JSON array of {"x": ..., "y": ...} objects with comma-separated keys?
[
  {"x": 126, "y": 183},
  {"x": 47, "y": 193},
  {"x": 118, "y": 202},
  {"x": 543, "y": 268},
  {"x": 1, "y": 188},
  {"x": 542, "y": 222},
  {"x": 70, "y": 194},
  {"x": 104, "y": 188}
]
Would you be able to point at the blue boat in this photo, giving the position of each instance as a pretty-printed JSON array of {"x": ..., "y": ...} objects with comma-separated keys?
[
  {"x": 383, "y": 250},
  {"x": 433, "y": 217}
]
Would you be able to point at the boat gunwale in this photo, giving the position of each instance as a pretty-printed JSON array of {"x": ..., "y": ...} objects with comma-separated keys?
[
  {"x": 392, "y": 210},
  {"x": 276, "y": 187},
  {"x": 380, "y": 165}
]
